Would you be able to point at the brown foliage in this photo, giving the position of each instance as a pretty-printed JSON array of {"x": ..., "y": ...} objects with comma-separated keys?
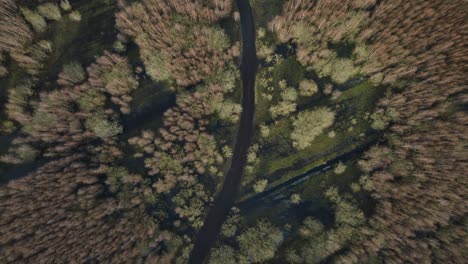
[
  {"x": 57, "y": 124},
  {"x": 419, "y": 179},
  {"x": 113, "y": 75},
  {"x": 314, "y": 24},
  {"x": 58, "y": 213},
  {"x": 184, "y": 148},
  {"x": 174, "y": 39},
  {"x": 417, "y": 37},
  {"x": 14, "y": 32},
  {"x": 16, "y": 39}
]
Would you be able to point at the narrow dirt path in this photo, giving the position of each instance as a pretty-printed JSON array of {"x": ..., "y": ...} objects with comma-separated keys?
[{"x": 226, "y": 198}]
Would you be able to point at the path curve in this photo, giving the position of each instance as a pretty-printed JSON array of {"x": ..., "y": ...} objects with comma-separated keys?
[{"x": 228, "y": 194}]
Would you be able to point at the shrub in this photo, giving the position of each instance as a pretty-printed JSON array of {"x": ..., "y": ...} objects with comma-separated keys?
[
  {"x": 340, "y": 168},
  {"x": 258, "y": 244},
  {"x": 3, "y": 71},
  {"x": 7, "y": 127},
  {"x": 348, "y": 214},
  {"x": 115, "y": 176},
  {"x": 75, "y": 16},
  {"x": 284, "y": 108},
  {"x": 355, "y": 187},
  {"x": 223, "y": 255},
  {"x": 264, "y": 130},
  {"x": 260, "y": 185},
  {"x": 311, "y": 228},
  {"x": 26, "y": 153},
  {"x": 36, "y": 20},
  {"x": 328, "y": 89},
  {"x": 227, "y": 151},
  {"x": 32, "y": 57},
  {"x": 50, "y": 11},
  {"x": 361, "y": 53},
  {"x": 17, "y": 105},
  {"x": 91, "y": 100},
  {"x": 230, "y": 226},
  {"x": 342, "y": 70},
  {"x": 309, "y": 124},
  {"x": 336, "y": 94},
  {"x": 157, "y": 66},
  {"x": 102, "y": 127},
  {"x": 381, "y": 119},
  {"x": 65, "y": 5},
  {"x": 307, "y": 88},
  {"x": 295, "y": 198},
  {"x": 264, "y": 50},
  {"x": 229, "y": 111},
  {"x": 333, "y": 195},
  {"x": 217, "y": 39},
  {"x": 289, "y": 94},
  {"x": 113, "y": 74},
  {"x": 366, "y": 183},
  {"x": 72, "y": 73},
  {"x": 119, "y": 46}
]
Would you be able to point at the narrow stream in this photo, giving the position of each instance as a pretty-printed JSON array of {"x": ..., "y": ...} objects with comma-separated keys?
[{"x": 231, "y": 186}]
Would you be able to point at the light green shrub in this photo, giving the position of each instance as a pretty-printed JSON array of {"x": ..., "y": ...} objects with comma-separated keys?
[
  {"x": 340, "y": 168},
  {"x": 259, "y": 243},
  {"x": 264, "y": 130},
  {"x": 295, "y": 198},
  {"x": 36, "y": 20},
  {"x": 229, "y": 111},
  {"x": 73, "y": 73},
  {"x": 91, "y": 100},
  {"x": 119, "y": 46},
  {"x": 223, "y": 255},
  {"x": 260, "y": 185},
  {"x": 289, "y": 94},
  {"x": 309, "y": 124},
  {"x": 284, "y": 108},
  {"x": 65, "y": 5},
  {"x": 157, "y": 66},
  {"x": 50, "y": 11},
  {"x": 75, "y": 16},
  {"x": 307, "y": 88},
  {"x": 7, "y": 127},
  {"x": 217, "y": 39},
  {"x": 382, "y": 118},
  {"x": 366, "y": 183},
  {"x": 343, "y": 70},
  {"x": 102, "y": 127}
]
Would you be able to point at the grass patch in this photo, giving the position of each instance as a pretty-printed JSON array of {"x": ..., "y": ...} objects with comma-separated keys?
[{"x": 280, "y": 162}]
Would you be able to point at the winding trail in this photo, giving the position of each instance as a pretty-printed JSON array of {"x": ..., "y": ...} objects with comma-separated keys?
[{"x": 231, "y": 186}]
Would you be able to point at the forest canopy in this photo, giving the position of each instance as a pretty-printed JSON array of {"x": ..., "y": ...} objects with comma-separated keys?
[{"x": 119, "y": 120}]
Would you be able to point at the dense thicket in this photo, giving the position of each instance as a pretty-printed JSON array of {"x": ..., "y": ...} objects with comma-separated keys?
[
  {"x": 178, "y": 39},
  {"x": 67, "y": 119},
  {"x": 88, "y": 204},
  {"x": 419, "y": 179},
  {"x": 14, "y": 32},
  {"x": 59, "y": 213},
  {"x": 70, "y": 208},
  {"x": 78, "y": 125}
]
